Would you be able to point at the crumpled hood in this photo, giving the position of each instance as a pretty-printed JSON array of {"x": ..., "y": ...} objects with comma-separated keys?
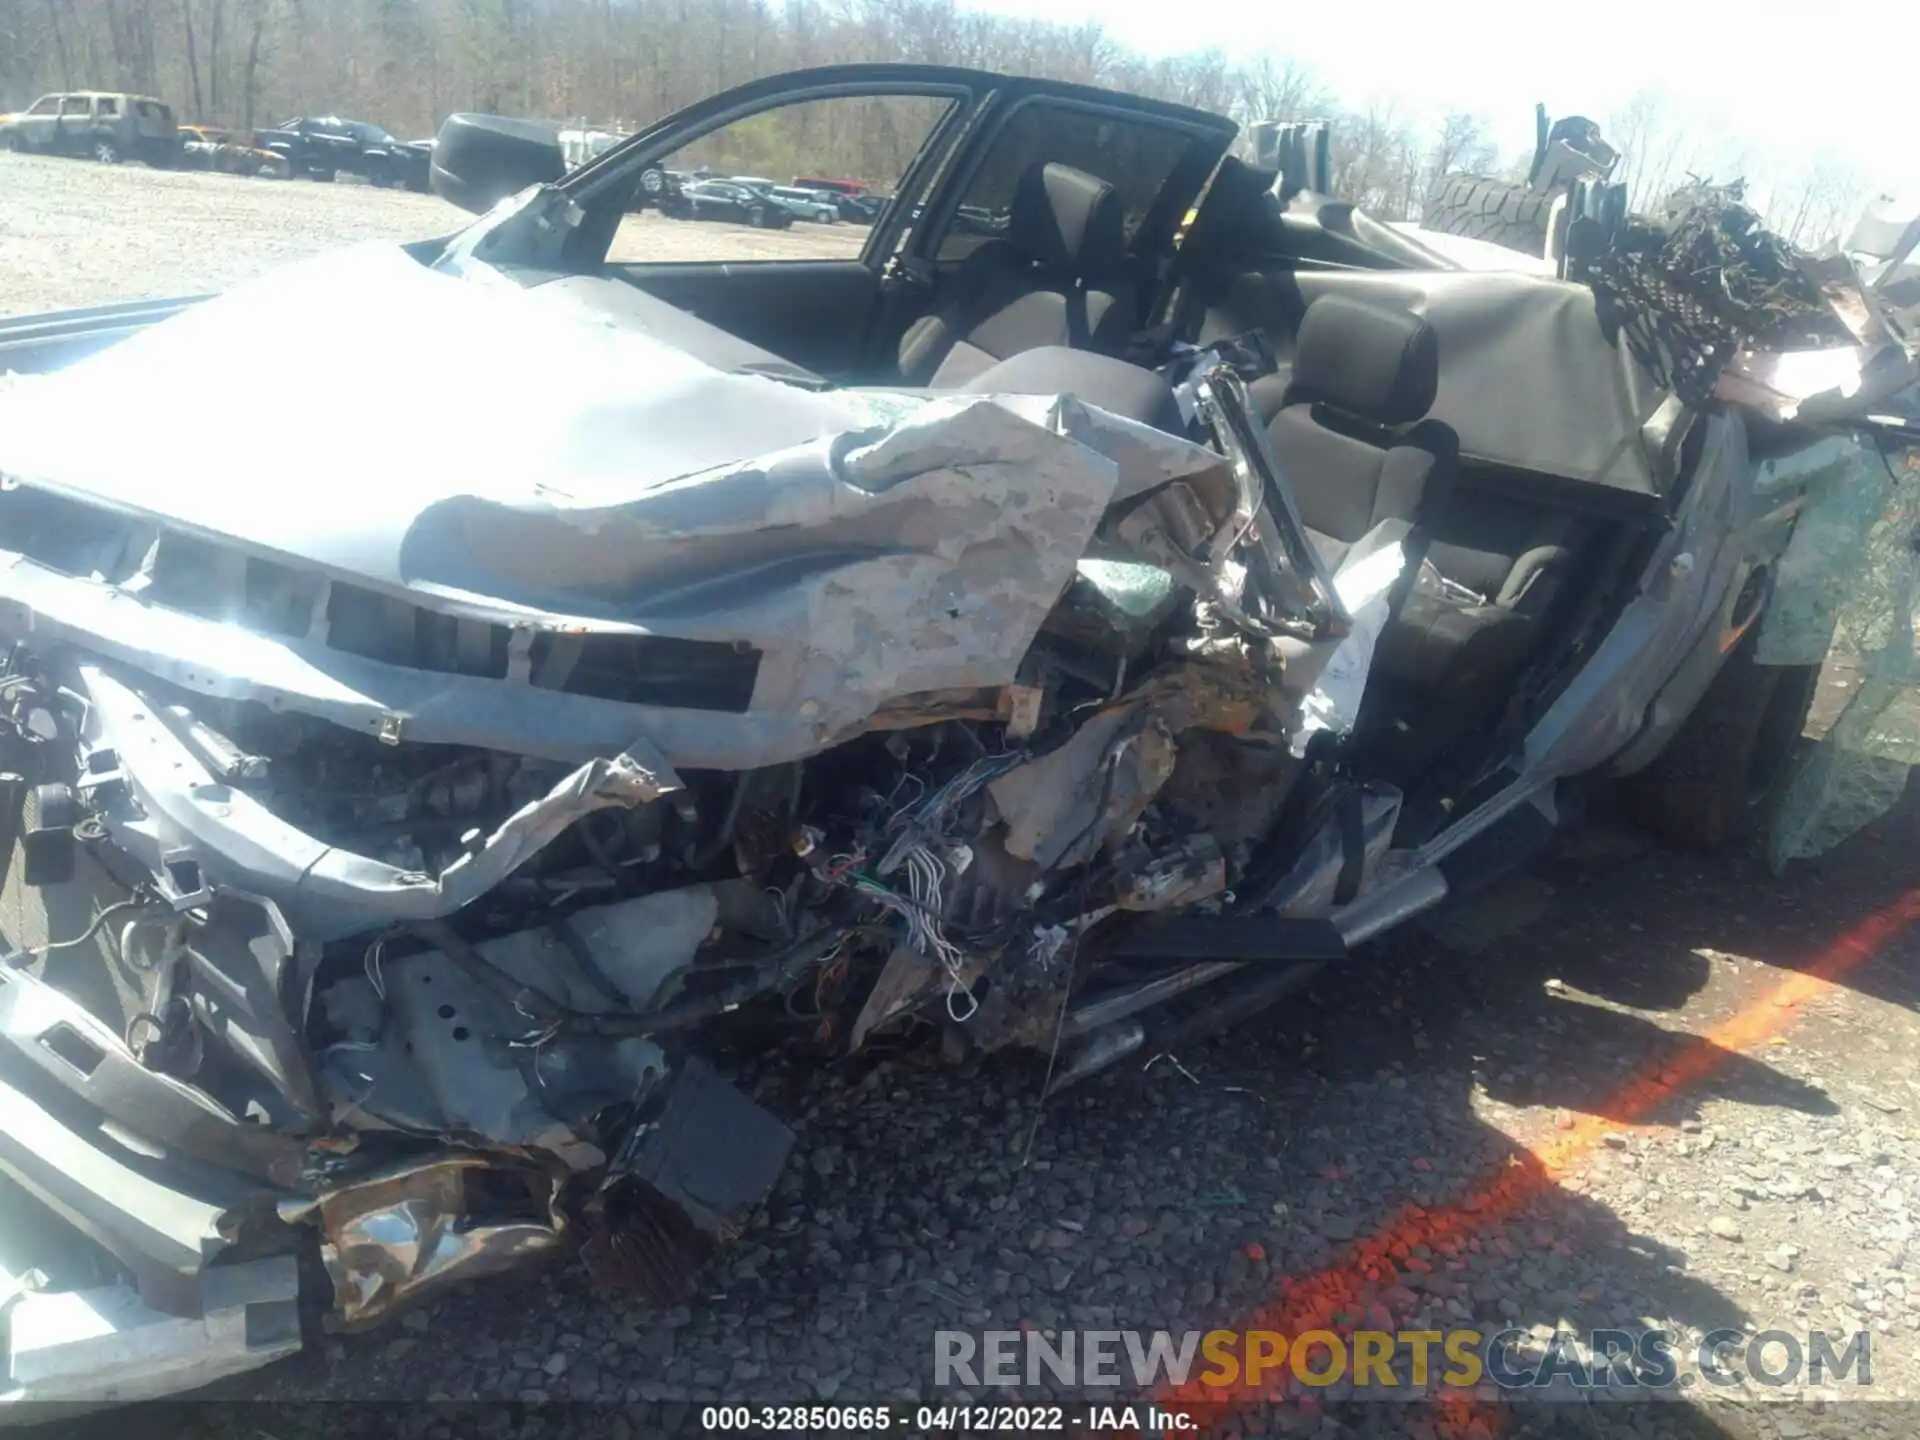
[
  {"x": 511, "y": 402},
  {"x": 561, "y": 476}
]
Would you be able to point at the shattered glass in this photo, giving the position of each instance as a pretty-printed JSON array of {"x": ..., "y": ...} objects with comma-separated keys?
[{"x": 1849, "y": 595}]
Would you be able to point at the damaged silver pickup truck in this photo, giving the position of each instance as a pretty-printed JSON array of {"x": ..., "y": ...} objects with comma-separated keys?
[{"x": 1060, "y": 627}]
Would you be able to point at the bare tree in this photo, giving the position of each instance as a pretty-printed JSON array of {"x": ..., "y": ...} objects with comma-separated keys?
[
  {"x": 1465, "y": 142},
  {"x": 407, "y": 63},
  {"x": 1273, "y": 87}
]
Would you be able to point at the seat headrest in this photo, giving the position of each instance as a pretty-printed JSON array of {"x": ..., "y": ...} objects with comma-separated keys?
[
  {"x": 1068, "y": 220},
  {"x": 1378, "y": 363}
]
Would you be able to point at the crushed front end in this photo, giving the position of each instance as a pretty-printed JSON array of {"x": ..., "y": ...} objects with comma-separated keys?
[{"x": 396, "y": 849}]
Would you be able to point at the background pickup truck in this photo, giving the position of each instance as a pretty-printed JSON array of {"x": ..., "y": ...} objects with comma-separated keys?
[{"x": 322, "y": 147}]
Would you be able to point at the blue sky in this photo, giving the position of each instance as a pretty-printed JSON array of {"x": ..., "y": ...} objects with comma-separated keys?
[{"x": 1786, "y": 81}]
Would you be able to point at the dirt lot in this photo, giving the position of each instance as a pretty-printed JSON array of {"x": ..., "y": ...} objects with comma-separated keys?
[
  {"x": 74, "y": 233},
  {"x": 1630, "y": 1088}
]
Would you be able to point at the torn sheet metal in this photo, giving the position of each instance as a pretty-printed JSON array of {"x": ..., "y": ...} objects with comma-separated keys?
[
  {"x": 1862, "y": 543},
  {"x": 182, "y": 809},
  {"x": 404, "y": 1234},
  {"x": 1071, "y": 803},
  {"x": 429, "y": 1049}
]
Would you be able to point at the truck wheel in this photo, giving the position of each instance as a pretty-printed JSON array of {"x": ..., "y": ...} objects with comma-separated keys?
[
  {"x": 757, "y": 218},
  {"x": 1717, "y": 776},
  {"x": 1482, "y": 208},
  {"x": 17, "y": 144},
  {"x": 105, "y": 151},
  {"x": 322, "y": 176}
]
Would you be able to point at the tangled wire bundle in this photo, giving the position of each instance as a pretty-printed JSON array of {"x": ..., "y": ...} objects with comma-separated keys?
[{"x": 1688, "y": 292}]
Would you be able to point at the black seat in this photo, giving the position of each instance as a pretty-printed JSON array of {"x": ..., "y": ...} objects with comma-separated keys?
[
  {"x": 1365, "y": 463},
  {"x": 1041, "y": 285}
]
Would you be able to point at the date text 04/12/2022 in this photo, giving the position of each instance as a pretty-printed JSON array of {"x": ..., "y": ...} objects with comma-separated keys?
[{"x": 946, "y": 1419}]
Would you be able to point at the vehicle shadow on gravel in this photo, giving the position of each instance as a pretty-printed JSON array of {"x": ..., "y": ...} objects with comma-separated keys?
[{"x": 1193, "y": 1195}]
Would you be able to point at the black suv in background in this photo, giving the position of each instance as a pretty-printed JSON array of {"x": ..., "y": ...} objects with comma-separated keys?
[{"x": 320, "y": 147}]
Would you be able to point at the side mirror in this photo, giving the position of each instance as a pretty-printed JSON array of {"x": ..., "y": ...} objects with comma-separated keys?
[{"x": 479, "y": 160}]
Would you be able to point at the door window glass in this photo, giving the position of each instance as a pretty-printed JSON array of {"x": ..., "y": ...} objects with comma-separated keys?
[
  {"x": 49, "y": 106},
  {"x": 692, "y": 206},
  {"x": 75, "y": 105},
  {"x": 1136, "y": 157}
]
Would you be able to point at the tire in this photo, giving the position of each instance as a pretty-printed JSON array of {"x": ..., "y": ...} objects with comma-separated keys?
[
  {"x": 1479, "y": 207},
  {"x": 1719, "y": 774},
  {"x": 321, "y": 176},
  {"x": 17, "y": 144},
  {"x": 104, "y": 150},
  {"x": 380, "y": 178},
  {"x": 757, "y": 217}
]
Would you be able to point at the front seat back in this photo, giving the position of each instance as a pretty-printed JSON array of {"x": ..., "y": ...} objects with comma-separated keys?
[
  {"x": 1365, "y": 463},
  {"x": 1351, "y": 431},
  {"x": 1042, "y": 285}
]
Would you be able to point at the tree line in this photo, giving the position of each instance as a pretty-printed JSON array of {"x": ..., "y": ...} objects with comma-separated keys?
[{"x": 617, "y": 64}]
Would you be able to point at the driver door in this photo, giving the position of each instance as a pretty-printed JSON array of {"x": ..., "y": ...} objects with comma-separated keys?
[
  {"x": 933, "y": 144},
  {"x": 809, "y": 291}
]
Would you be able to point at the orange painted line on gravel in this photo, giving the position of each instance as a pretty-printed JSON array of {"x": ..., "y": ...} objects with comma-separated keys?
[{"x": 1348, "y": 1290}]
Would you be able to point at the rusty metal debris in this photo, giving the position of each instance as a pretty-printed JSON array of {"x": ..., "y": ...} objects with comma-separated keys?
[{"x": 395, "y": 1237}]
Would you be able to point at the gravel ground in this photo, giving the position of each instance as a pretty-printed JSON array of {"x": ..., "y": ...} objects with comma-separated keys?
[
  {"x": 1774, "y": 1188},
  {"x": 73, "y": 233},
  {"x": 1590, "y": 1085}
]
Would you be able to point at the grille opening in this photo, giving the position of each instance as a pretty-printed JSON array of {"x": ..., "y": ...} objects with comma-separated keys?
[
  {"x": 62, "y": 534},
  {"x": 649, "y": 670},
  {"x": 217, "y": 583},
  {"x": 396, "y": 632},
  {"x": 74, "y": 1048}
]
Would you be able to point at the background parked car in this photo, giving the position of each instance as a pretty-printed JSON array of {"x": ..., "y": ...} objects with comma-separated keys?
[
  {"x": 109, "y": 126},
  {"x": 729, "y": 200},
  {"x": 806, "y": 204},
  {"x": 320, "y": 147},
  {"x": 855, "y": 200},
  {"x": 577, "y": 146},
  {"x": 663, "y": 190},
  {"x": 207, "y": 147}
]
